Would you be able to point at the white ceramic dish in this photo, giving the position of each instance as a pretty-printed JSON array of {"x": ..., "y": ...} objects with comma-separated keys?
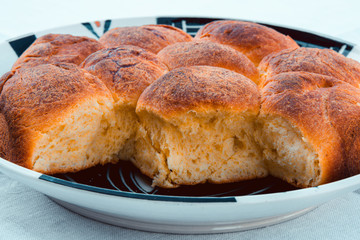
[{"x": 172, "y": 213}]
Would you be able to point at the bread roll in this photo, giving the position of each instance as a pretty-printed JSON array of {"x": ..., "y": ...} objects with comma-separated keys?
[
  {"x": 254, "y": 40},
  {"x": 308, "y": 128},
  {"x": 126, "y": 71},
  {"x": 60, "y": 118},
  {"x": 53, "y": 48},
  {"x": 208, "y": 53},
  {"x": 152, "y": 38},
  {"x": 196, "y": 126},
  {"x": 322, "y": 61}
]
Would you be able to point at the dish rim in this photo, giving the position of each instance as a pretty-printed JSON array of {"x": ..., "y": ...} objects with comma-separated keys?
[{"x": 350, "y": 182}]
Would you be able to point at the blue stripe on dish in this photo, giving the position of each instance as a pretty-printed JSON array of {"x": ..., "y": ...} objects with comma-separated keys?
[
  {"x": 107, "y": 25},
  {"x": 91, "y": 29},
  {"x": 21, "y": 44},
  {"x": 135, "y": 195}
]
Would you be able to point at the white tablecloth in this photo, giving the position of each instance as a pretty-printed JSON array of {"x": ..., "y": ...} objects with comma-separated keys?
[{"x": 27, "y": 214}]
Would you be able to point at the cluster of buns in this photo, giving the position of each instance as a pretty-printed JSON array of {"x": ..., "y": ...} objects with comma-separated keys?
[{"x": 238, "y": 101}]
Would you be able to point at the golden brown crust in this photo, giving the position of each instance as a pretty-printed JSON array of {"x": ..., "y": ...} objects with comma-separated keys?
[
  {"x": 5, "y": 140},
  {"x": 152, "y": 38},
  {"x": 201, "y": 89},
  {"x": 254, "y": 40},
  {"x": 210, "y": 54},
  {"x": 321, "y": 61},
  {"x": 53, "y": 48},
  {"x": 34, "y": 98},
  {"x": 344, "y": 113},
  {"x": 4, "y": 78},
  {"x": 125, "y": 70},
  {"x": 327, "y": 112}
]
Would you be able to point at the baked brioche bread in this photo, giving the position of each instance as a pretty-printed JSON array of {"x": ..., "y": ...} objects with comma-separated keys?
[
  {"x": 152, "y": 38},
  {"x": 126, "y": 71},
  {"x": 196, "y": 126},
  {"x": 322, "y": 61},
  {"x": 254, "y": 40},
  {"x": 305, "y": 123},
  {"x": 207, "y": 53},
  {"x": 53, "y": 48},
  {"x": 203, "y": 121},
  {"x": 60, "y": 119}
]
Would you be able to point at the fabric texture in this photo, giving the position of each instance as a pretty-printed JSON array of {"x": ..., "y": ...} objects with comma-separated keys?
[{"x": 27, "y": 214}]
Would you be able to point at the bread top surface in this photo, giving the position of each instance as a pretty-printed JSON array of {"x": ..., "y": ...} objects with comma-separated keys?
[
  {"x": 254, "y": 40},
  {"x": 53, "y": 48},
  {"x": 34, "y": 99},
  {"x": 4, "y": 78},
  {"x": 207, "y": 53},
  {"x": 321, "y": 61},
  {"x": 322, "y": 108},
  {"x": 152, "y": 38},
  {"x": 126, "y": 70},
  {"x": 37, "y": 96},
  {"x": 202, "y": 89}
]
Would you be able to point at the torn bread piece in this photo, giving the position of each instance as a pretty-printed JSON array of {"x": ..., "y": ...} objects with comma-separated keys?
[
  {"x": 60, "y": 119},
  {"x": 196, "y": 126},
  {"x": 126, "y": 71},
  {"x": 304, "y": 128}
]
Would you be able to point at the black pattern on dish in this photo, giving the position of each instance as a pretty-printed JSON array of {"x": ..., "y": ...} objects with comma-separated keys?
[
  {"x": 21, "y": 44},
  {"x": 123, "y": 176},
  {"x": 90, "y": 28}
]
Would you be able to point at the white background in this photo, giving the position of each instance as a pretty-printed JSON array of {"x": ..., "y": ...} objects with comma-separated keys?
[{"x": 328, "y": 17}]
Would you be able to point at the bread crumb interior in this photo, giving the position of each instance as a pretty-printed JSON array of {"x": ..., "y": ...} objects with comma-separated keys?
[
  {"x": 88, "y": 135},
  {"x": 196, "y": 149},
  {"x": 288, "y": 155}
]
